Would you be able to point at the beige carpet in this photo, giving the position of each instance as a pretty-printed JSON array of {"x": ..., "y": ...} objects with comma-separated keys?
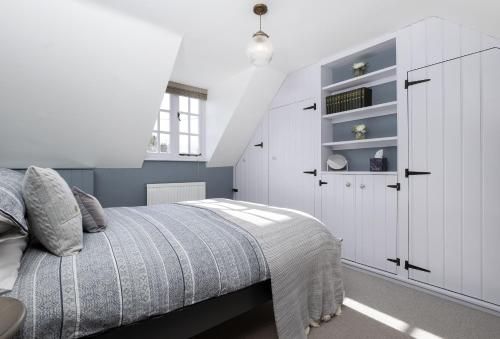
[{"x": 378, "y": 306}]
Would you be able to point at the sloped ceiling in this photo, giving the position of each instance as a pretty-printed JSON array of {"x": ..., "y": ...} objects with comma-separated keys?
[
  {"x": 80, "y": 84},
  {"x": 230, "y": 122},
  {"x": 81, "y": 80}
]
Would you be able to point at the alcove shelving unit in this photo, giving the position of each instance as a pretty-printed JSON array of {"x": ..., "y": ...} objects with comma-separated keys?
[{"x": 380, "y": 118}]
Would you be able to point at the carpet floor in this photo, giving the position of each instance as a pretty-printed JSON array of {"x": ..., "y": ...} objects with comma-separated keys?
[{"x": 376, "y": 308}]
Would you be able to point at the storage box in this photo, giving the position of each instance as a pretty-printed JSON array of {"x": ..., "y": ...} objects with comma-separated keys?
[{"x": 378, "y": 164}]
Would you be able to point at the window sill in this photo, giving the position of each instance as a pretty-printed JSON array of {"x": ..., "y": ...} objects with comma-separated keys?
[{"x": 173, "y": 157}]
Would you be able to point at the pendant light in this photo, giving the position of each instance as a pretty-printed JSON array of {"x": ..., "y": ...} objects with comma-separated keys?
[{"x": 260, "y": 49}]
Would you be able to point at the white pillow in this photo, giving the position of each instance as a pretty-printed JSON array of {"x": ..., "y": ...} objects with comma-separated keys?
[
  {"x": 9, "y": 230},
  {"x": 12, "y": 245}
]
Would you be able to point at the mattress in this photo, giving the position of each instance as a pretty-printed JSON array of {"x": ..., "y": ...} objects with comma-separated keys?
[{"x": 150, "y": 260}]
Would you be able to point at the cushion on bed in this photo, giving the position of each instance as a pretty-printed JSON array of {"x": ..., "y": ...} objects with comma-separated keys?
[
  {"x": 53, "y": 213},
  {"x": 93, "y": 216},
  {"x": 11, "y": 198}
]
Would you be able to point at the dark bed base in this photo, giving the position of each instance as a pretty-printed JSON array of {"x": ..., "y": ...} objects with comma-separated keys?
[{"x": 195, "y": 319}]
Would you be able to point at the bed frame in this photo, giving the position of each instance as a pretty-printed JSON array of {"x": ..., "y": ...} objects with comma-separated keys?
[{"x": 194, "y": 319}]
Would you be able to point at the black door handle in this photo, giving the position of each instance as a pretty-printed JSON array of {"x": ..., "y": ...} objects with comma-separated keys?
[
  {"x": 397, "y": 186},
  {"x": 408, "y": 173},
  {"x": 260, "y": 145},
  {"x": 321, "y": 183},
  {"x": 310, "y": 107},
  {"x": 315, "y": 173}
]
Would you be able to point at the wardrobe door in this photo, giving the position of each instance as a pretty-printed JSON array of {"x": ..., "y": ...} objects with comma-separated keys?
[
  {"x": 251, "y": 171},
  {"x": 376, "y": 221},
  {"x": 454, "y": 129},
  {"x": 292, "y": 148},
  {"x": 338, "y": 210}
]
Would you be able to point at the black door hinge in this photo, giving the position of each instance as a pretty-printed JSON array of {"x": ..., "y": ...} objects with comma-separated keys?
[
  {"x": 235, "y": 190},
  {"x": 321, "y": 182},
  {"x": 396, "y": 261},
  {"x": 408, "y": 173},
  {"x": 397, "y": 186},
  {"x": 260, "y": 145},
  {"x": 315, "y": 173},
  {"x": 413, "y": 267},
  {"x": 411, "y": 83},
  {"x": 310, "y": 107}
]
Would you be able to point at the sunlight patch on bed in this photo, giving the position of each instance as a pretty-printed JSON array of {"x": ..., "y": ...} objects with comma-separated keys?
[
  {"x": 269, "y": 215},
  {"x": 253, "y": 219}
]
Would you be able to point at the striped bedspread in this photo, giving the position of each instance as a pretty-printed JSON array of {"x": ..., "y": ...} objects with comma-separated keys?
[
  {"x": 149, "y": 261},
  {"x": 303, "y": 259}
]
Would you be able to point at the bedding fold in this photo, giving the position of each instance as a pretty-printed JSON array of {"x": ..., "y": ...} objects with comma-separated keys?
[{"x": 303, "y": 258}]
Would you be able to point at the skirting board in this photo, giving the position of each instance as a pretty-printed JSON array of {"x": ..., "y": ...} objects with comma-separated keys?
[{"x": 435, "y": 291}]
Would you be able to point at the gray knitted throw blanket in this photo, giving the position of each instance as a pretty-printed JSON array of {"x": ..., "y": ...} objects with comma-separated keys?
[{"x": 303, "y": 259}]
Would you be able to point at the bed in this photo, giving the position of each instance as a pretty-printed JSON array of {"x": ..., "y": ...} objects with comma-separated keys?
[{"x": 175, "y": 270}]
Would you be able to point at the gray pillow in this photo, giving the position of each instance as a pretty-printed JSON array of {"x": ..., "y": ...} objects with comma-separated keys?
[
  {"x": 93, "y": 216},
  {"x": 53, "y": 213},
  {"x": 11, "y": 198}
]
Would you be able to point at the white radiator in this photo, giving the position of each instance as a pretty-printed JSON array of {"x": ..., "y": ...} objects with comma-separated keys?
[{"x": 175, "y": 192}]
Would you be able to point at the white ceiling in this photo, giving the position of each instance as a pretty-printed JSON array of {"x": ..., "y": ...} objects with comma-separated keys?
[{"x": 216, "y": 32}]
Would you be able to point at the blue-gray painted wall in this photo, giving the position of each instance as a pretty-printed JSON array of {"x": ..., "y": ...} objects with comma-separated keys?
[{"x": 127, "y": 186}]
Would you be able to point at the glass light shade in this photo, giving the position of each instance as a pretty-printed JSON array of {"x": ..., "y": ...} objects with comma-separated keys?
[{"x": 260, "y": 49}]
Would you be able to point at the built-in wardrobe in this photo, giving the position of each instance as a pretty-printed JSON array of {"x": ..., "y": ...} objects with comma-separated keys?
[{"x": 432, "y": 218}]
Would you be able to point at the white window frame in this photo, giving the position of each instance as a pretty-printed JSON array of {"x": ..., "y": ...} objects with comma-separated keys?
[{"x": 174, "y": 134}]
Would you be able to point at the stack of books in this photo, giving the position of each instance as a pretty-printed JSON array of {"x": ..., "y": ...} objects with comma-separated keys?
[{"x": 357, "y": 98}]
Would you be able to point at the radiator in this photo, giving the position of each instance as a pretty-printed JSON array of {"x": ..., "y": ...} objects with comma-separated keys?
[{"x": 175, "y": 192}]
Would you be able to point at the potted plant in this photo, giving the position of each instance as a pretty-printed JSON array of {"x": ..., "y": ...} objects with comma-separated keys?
[
  {"x": 359, "y": 68},
  {"x": 360, "y": 131}
]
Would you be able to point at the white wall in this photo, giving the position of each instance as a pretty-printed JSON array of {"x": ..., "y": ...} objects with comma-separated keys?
[
  {"x": 234, "y": 109},
  {"x": 80, "y": 84},
  {"x": 298, "y": 85},
  {"x": 223, "y": 100}
]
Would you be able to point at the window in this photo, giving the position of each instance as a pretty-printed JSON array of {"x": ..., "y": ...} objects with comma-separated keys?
[{"x": 177, "y": 132}]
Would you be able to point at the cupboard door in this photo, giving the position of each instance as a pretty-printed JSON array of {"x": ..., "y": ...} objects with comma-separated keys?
[
  {"x": 337, "y": 211},
  {"x": 376, "y": 221},
  {"x": 292, "y": 148},
  {"x": 453, "y": 212},
  {"x": 251, "y": 171}
]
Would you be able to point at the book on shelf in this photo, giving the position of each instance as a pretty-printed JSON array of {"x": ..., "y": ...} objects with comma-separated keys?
[{"x": 354, "y": 99}]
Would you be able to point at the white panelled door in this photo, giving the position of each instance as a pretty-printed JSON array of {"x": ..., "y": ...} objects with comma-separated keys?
[
  {"x": 251, "y": 171},
  {"x": 362, "y": 211},
  {"x": 454, "y": 212},
  {"x": 293, "y": 141}
]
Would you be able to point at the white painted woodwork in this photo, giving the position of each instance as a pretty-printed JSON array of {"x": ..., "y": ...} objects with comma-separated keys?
[
  {"x": 251, "y": 171},
  {"x": 451, "y": 124},
  {"x": 490, "y": 164},
  {"x": 370, "y": 79},
  {"x": 362, "y": 210},
  {"x": 363, "y": 113},
  {"x": 364, "y": 143},
  {"x": 338, "y": 210},
  {"x": 448, "y": 137},
  {"x": 175, "y": 192},
  {"x": 292, "y": 148}
]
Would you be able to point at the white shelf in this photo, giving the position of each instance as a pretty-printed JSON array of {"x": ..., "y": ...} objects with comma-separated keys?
[
  {"x": 365, "y": 143},
  {"x": 371, "y": 79},
  {"x": 359, "y": 172},
  {"x": 363, "y": 113}
]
